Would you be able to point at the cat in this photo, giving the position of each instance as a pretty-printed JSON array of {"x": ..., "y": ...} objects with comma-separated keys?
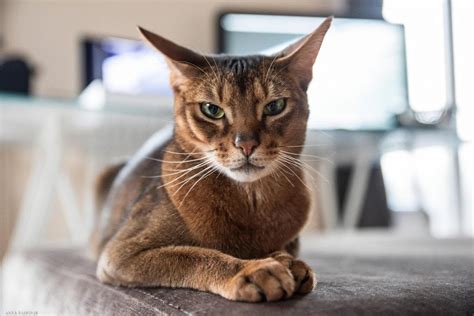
[{"x": 218, "y": 206}]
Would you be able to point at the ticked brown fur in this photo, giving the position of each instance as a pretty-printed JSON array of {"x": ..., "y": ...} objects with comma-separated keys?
[{"x": 231, "y": 229}]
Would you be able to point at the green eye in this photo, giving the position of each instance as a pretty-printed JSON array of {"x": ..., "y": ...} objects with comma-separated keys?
[
  {"x": 212, "y": 111},
  {"x": 274, "y": 107}
]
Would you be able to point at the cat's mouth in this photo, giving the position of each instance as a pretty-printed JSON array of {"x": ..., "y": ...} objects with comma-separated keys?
[
  {"x": 247, "y": 167},
  {"x": 246, "y": 170}
]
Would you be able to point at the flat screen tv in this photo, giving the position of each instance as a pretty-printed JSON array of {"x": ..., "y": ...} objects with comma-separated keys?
[{"x": 359, "y": 80}]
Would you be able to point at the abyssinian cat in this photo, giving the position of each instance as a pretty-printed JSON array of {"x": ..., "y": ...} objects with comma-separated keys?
[{"x": 219, "y": 206}]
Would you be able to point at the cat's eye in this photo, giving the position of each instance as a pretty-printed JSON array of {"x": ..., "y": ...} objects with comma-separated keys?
[
  {"x": 212, "y": 111},
  {"x": 275, "y": 107}
]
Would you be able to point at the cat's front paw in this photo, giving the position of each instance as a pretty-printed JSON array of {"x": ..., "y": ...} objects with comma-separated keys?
[
  {"x": 261, "y": 280},
  {"x": 304, "y": 276}
]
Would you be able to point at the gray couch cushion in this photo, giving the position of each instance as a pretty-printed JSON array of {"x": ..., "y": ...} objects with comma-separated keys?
[{"x": 356, "y": 276}]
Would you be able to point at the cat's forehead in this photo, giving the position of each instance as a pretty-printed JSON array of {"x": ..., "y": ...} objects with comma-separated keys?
[
  {"x": 242, "y": 77},
  {"x": 240, "y": 65}
]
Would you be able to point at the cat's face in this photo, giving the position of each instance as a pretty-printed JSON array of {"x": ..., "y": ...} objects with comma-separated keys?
[
  {"x": 247, "y": 115},
  {"x": 243, "y": 114}
]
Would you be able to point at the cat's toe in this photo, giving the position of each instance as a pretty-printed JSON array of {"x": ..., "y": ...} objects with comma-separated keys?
[
  {"x": 304, "y": 276},
  {"x": 263, "y": 280}
]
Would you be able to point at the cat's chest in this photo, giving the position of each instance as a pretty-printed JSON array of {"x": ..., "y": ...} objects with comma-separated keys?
[{"x": 253, "y": 224}]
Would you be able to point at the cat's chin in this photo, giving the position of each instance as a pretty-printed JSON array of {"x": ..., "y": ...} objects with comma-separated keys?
[{"x": 247, "y": 173}]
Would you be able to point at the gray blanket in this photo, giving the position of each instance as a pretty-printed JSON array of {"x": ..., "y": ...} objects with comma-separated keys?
[{"x": 357, "y": 276}]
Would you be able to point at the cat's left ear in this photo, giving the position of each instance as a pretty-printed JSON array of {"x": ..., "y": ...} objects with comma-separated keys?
[
  {"x": 179, "y": 58},
  {"x": 300, "y": 56}
]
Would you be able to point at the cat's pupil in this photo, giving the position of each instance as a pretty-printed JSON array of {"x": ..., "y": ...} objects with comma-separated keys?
[{"x": 213, "y": 109}]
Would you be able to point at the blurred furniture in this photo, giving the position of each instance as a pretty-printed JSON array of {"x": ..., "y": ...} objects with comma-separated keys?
[
  {"x": 352, "y": 186},
  {"x": 51, "y": 153},
  {"x": 15, "y": 75},
  {"x": 359, "y": 274}
]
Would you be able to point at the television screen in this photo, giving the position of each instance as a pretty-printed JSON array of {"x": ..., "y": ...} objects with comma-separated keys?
[
  {"x": 125, "y": 66},
  {"x": 359, "y": 79}
]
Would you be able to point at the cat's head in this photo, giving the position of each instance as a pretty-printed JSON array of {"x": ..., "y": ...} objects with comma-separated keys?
[{"x": 247, "y": 114}]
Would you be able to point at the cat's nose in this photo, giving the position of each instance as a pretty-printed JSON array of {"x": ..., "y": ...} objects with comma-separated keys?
[{"x": 246, "y": 143}]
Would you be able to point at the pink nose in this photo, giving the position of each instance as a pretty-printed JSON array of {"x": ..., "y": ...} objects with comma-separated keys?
[{"x": 247, "y": 144}]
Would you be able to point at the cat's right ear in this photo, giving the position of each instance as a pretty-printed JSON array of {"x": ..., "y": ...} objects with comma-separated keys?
[{"x": 180, "y": 59}]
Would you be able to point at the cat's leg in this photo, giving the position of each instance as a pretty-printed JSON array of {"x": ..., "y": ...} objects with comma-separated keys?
[
  {"x": 293, "y": 247},
  {"x": 131, "y": 263},
  {"x": 304, "y": 276}
]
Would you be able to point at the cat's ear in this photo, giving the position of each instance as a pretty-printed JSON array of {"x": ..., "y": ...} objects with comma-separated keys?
[
  {"x": 300, "y": 56},
  {"x": 181, "y": 59}
]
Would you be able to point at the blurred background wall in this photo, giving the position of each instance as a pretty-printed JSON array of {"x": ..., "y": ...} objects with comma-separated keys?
[{"x": 48, "y": 32}]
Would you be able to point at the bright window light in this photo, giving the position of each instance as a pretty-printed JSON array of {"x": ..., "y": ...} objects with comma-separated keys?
[
  {"x": 463, "y": 37},
  {"x": 437, "y": 189},
  {"x": 466, "y": 157},
  {"x": 424, "y": 22},
  {"x": 398, "y": 175}
]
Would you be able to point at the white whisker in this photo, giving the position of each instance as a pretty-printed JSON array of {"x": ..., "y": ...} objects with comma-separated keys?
[
  {"x": 269, "y": 68},
  {"x": 308, "y": 155},
  {"x": 213, "y": 169},
  {"x": 175, "y": 161},
  {"x": 299, "y": 146},
  {"x": 283, "y": 174},
  {"x": 181, "y": 153},
  {"x": 192, "y": 177},
  {"x": 184, "y": 173},
  {"x": 294, "y": 173},
  {"x": 179, "y": 170},
  {"x": 304, "y": 165}
]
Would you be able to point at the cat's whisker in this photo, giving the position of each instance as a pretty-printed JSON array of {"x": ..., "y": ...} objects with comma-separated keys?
[
  {"x": 212, "y": 68},
  {"x": 177, "y": 170},
  {"x": 180, "y": 153},
  {"x": 312, "y": 180},
  {"x": 185, "y": 158},
  {"x": 273, "y": 175},
  {"x": 170, "y": 184},
  {"x": 198, "y": 68},
  {"x": 175, "y": 161},
  {"x": 269, "y": 68},
  {"x": 308, "y": 173},
  {"x": 217, "y": 67},
  {"x": 192, "y": 177},
  {"x": 299, "y": 146},
  {"x": 213, "y": 169},
  {"x": 201, "y": 173},
  {"x": 296, "y": 161},
  {"x": 194, "y": 167},
  {"x": 298, "y": 166},
  {"x": 174, "y": 171},
  {"x": 183, "y": 173},
  {"x": 185, "y": 180},
  {"x": 308, "y": 155},
  {"x": 294, "y": 173},
  {"x": 283, "y": 174},
  {"x": 170, "y": 174},
  {"x": 304, "y": 165},
  {"x": 181, "y": 182}
]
